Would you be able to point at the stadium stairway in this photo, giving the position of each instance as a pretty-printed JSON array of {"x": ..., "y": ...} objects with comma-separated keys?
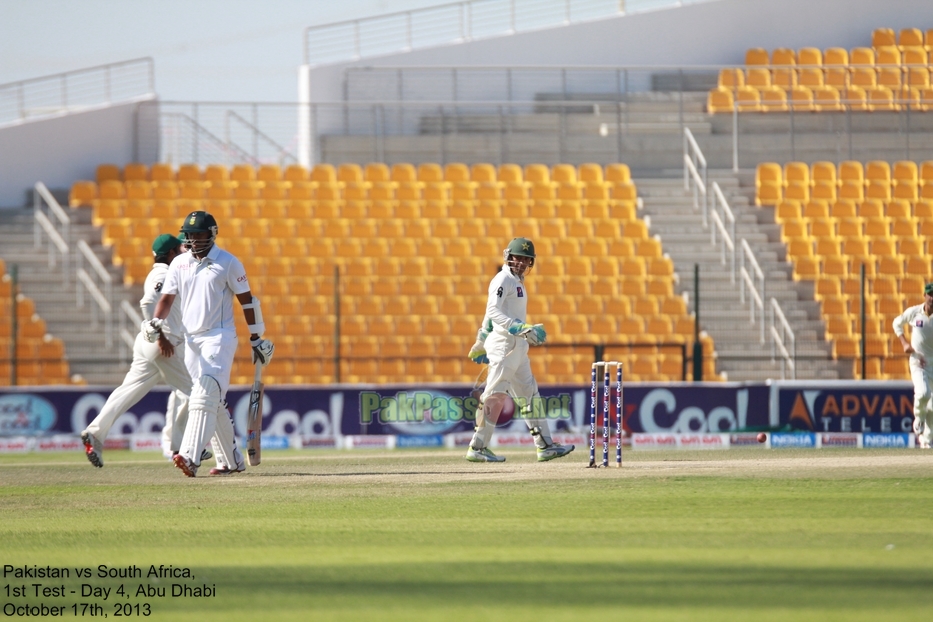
[
  {"x": 56, "y": 303},
  {"x": 722, "y": 315}
]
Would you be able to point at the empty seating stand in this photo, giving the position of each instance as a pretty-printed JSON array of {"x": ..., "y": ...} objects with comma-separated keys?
[{"x": 407, "y": 252}]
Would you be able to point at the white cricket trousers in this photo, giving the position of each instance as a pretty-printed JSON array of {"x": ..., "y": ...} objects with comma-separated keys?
[
  {"x": 923, "y": 400},
  {"x": 148, "y": 369}
]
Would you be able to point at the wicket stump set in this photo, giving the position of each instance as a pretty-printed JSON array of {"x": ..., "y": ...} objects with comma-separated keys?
[{"x": 607, "y": 398}]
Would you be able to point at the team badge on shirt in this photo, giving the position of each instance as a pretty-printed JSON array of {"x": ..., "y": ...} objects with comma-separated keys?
[
  {"x": 919, "y": 323},
  {"x": 520, "y": 293}
]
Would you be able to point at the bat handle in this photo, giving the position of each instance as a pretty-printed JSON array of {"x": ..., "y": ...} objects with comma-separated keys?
[{"x": 257, "y": 374}]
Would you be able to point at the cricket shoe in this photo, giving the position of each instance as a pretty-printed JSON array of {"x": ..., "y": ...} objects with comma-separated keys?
[
  {"x": 93, "y": 448},
  {"x": 554, "y": 450},
  {"x": 483, "y": 455},
  {"x": 206, "y": 454},
  {"x": 187, "y": 467},
  {"x": 240, "y": 467}
]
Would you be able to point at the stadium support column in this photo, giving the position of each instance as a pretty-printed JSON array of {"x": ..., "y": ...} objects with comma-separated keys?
[
  {"x": 305, "y": 126},
  {"x": 697, "y": 346}
]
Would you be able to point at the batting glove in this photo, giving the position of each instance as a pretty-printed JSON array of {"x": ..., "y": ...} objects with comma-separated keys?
[
  {"x": 151, "y": 329},
  {"x": 478, "y": 353},
  {"x": 262, "y": 350}
]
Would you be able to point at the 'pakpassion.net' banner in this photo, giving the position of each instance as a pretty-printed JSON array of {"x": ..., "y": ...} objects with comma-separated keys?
[{"x": 340, "y": 410}]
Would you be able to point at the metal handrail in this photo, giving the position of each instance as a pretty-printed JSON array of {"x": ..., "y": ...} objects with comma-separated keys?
[
  {"x": 694, "y": 164},
  {"x": 43, "y": 223},
  {"x": 728, "y": 237},
  {"x": 779, "y": 339},
  {"x": 102, "y": 298},
  {"x": 135, "y": 318},
  {"x": 57, "y": 90},
  {"x": 404, "y": 31},
  {"x": 747, "y": 280},
  {"x": 284, "y": 155}
]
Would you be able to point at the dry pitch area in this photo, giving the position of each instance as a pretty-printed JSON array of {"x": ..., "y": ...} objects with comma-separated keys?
[{"x": 749, "y": 533}]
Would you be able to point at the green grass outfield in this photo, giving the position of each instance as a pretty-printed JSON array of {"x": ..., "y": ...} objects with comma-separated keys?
[{"x": 744, "y": 534}]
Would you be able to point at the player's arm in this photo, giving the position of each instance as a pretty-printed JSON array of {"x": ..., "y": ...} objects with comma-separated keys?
[
  {"x": 478, "y": 351},
  {"x": 152, "y": 329},
  {"x": 252, "y": 312},
  {"x": 898, "y": 324}
]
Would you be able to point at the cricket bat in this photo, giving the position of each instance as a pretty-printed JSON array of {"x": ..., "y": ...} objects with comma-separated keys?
[{"x": 254, "y": 419}]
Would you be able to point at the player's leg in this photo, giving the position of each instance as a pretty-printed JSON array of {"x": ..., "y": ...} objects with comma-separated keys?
[
  {"x": 923, "y": 394},
  {"x": 229, "y": 458},
  {"x": 139, "y": 380},
  {"x": 923, "y": 418},
  {"x": 177, "y": 376},
  {"x": 492, "y": 402},
  {"x": 525, "y": 390}
]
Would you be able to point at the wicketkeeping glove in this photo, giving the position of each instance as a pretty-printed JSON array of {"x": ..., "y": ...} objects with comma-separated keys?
[
  {"x": 533, "y": 334},
  {"x": 478, "y": 353},
  {"x": 151, "y": 329},
  {"x": 262, "y": 350}
]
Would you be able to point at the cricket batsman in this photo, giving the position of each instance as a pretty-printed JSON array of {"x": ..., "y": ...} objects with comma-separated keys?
[
  {"x": 502, "y": 341},
  {"x": 206, "y": 280}
]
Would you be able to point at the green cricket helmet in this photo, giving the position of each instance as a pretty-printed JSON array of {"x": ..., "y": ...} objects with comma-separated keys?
[
  {"x": 519, "y": 247},
  {"x": 199, "y": 222}
]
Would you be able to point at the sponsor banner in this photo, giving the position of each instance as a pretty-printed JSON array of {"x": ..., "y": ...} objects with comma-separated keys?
[
  {"x": 273, "y": 442},
  {"x": 840, "y": 439},
  {"x": 579, "y": 440},
  {"x": 122, "y": 442},
  {"x": 654, "y": 441},
  {"x": 318, "y": 442},
  {"x": 433, "y": 440},
  {"x": 16, "y": 444},
  {"x": 374, "y": 441},
  {"x": 843, "y": 406},
  {"x": 459, "y": 439},
  {"x": 871, "y": 440},
  {"x": 59, "y": 443},
  {"x": 781, "y": 440},
  {"x": 680, "y": 441},
  {"x": 694, "y": 408},
  {"x": 745, "y": 439},
  {"x": 144, "y": 442},
  {"x": 512, "y": 439}
]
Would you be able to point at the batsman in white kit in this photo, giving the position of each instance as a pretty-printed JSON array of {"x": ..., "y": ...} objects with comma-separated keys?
[
  {"x": 502, "y": 342},
  {"x": 153, "y": 363},
  {"x": 206, "y": 280},
  {"x": 920, "y": 349}
]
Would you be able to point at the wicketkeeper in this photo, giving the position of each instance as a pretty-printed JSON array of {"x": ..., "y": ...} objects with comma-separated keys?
[
  {"x": 207, "y": 279},
  {"x": 502, "y": 341},
  {"x": 920, "y": 349}
]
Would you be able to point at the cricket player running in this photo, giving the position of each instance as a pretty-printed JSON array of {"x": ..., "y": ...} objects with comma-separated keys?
[
  {"x": 920, "y": 349},
  {"x": 502, "y": 342},
  {"x": 207, "y": 279},
  {"x": 153, "y": 363}
]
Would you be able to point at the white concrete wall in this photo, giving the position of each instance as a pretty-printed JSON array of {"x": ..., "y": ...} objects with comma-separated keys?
[
  {"x": 712, "y": 33},
  {"x": 60, "y": 151}
]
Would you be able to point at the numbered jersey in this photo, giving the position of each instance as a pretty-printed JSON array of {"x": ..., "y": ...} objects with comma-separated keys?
[{"x": 507, "y": 301}]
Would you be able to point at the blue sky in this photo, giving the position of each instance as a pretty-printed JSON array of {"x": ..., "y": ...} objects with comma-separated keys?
[{"x": 204, "y": 50}]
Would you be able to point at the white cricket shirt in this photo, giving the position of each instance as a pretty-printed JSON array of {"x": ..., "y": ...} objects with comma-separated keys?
[
  {"x": 921, "y": 330},
  {"x": 206, "y": 289},
  {"x": 507, "y": 301},
  {"x": 152, "y": 291}
]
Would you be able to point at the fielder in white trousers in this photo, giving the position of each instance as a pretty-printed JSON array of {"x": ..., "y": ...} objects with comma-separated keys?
[
  {"x": 920, "y": 350},
  {"x": 162, "y": 362}
]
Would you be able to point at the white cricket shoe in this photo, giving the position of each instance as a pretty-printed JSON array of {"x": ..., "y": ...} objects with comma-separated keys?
[
  {"x": 554, "y": 450},
  {"x": 483, "y": 455},
  {"x": 225, "y": 470},
  {"x": 93, "y": 448}
]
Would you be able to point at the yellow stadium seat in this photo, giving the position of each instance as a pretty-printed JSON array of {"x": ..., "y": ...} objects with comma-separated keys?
[
  {"x": 826, "y": 98},
  {"x": 809, "y": 57},
  {"x": 731, "y": 78},
  {"x": 880, "y": 98},
  {"x": 801, "y": 99},
  {"x": 756, "y": 56},
  {"x": 862, "y": 56},
  {"x": 720, "y": 100}
]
